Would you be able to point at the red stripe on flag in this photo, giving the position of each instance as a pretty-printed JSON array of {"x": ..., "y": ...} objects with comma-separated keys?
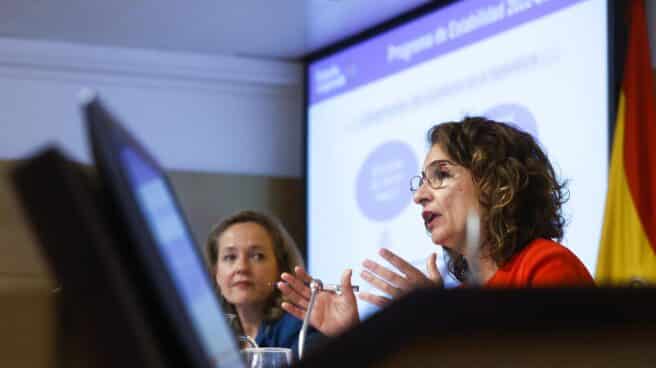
[{"x": 640, "y": 120}]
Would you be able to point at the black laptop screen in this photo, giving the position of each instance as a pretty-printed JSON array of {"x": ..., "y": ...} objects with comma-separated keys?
[
  {"x": 177, "y": 250},
  {"x": 171, "y": 273}
]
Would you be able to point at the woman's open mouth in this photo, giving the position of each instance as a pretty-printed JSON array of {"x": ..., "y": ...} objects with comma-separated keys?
[{"x": 429, "y": 217}]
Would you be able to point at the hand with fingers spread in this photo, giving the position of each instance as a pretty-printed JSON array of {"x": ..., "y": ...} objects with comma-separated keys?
[
  {"x": 395, "y": 284},
  {"x": 332, "y": 313}
]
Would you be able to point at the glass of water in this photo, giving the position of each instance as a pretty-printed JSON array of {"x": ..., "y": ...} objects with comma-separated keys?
[{"x": 267, "y": 357}]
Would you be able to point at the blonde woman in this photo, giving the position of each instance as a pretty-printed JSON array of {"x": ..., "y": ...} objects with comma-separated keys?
[{"x": 247, "y": 253}]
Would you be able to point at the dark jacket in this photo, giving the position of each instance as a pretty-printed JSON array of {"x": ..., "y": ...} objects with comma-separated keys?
[{"x": 283, "y": 333}]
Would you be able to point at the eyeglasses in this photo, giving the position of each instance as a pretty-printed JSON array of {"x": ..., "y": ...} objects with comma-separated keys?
[{"x": 434, "y": 175}]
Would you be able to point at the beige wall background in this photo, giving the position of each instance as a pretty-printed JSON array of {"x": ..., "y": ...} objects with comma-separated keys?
[{"x": 207, "y": 198}]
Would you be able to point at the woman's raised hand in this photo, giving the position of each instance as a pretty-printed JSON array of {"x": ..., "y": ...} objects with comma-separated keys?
[
  {"x": 332, "y": 313},
  {"x": 395, "y": 284}
]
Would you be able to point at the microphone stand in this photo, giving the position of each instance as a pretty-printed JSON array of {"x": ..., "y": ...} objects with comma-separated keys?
[{"x": 315, "y": 287}]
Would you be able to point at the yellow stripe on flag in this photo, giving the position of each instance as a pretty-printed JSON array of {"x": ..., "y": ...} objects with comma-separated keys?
[{"x": 625, "y": 254}]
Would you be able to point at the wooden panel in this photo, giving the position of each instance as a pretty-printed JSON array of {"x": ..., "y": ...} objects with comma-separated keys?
[
  {"x": 207, "y": 198},
  {"x": 27, "y": 337},
  {"x": 19, "y": 252},
  {"x": 36, "y": 284}
]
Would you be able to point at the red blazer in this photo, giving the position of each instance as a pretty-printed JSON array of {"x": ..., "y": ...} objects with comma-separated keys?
[{"x": 542, "y": 263}]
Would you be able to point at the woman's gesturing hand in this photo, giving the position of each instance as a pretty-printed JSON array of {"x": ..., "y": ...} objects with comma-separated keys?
[
  {"x": 332, "y": 313},
  {"x": 397, "y": 284}
]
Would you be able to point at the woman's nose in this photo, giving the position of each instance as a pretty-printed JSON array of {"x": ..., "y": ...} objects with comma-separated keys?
[
  {"x": 242, "y": 264},
  {"x": 421, "y": 195}
]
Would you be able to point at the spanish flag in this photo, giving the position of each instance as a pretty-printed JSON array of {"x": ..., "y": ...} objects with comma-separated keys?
[{"x": 627, "y": 252}]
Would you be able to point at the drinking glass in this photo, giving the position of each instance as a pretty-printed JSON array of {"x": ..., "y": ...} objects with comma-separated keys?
[{"x": 267, "y": 357}]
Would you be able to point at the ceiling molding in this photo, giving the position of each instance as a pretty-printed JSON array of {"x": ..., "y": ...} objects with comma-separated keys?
[{"x": 150, "y": 66}]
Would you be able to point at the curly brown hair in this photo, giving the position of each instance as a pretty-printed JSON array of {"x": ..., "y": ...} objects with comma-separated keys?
[
  {"x": 284, "y": 248},
  {"x": 520, "y": 196}
]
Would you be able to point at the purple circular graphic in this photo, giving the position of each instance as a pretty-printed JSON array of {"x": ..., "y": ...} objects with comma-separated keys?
[
  {"x": 515, "y": 114},
  {"x": 382, "y": 185}
]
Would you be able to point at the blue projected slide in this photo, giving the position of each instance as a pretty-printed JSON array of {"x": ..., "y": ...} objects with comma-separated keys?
[{"x": 542, "y": 65}]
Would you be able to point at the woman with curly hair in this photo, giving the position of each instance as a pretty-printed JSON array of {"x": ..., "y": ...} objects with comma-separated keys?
[
  {"x": 247, "y": 252},
  {"x": 490, "y": 198}
]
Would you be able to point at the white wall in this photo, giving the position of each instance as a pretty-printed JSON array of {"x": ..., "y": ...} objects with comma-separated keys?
[{"x": 195, "y": 112}]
